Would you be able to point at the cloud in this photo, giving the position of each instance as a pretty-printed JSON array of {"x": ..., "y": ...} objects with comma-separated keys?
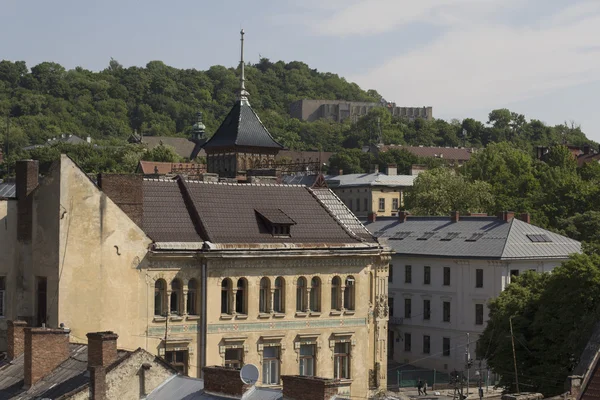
[{"x": 488, "y": 64}]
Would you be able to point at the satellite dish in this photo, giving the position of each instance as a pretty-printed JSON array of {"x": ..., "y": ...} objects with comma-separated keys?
[{"x": 249, "y": 374}]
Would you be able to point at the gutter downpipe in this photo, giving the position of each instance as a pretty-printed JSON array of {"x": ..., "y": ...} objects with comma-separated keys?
[{"x": 203, "y": 318}]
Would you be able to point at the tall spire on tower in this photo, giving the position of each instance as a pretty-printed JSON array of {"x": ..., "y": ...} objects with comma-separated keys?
[{"x": 243, "y": 95}]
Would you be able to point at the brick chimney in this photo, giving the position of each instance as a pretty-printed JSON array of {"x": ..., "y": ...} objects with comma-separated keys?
[
  {"x": 392, "y": 169},
  {"x": 224, "y": 380},
  {"x": 454, "y": 216},
  {"x": 45, "y": 349},
  {"x": 308, "y": 388},
  {"x": 27, "y": 173},
  {"x": 506, "y": 216},
  {"x": 15, "y": 336},
  {"x": 372, "y": 217},
  {"x": 526, "y": 217},
  {"x": 102, "y": 348},
  {"x": 125, "y": 190},
  {"x": 97, "y": 382},
  {"x": 403, "y": 216}
]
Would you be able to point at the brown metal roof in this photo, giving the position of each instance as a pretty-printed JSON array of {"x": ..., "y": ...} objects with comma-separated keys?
[{"x": 183, "y": 147}]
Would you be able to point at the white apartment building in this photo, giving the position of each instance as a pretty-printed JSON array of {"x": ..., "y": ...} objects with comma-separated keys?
[{"x": 444, "y": 272}]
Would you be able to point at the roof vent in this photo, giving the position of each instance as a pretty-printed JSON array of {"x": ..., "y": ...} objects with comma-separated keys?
[
  {"x": 539, "y": 238},
  {"x": 449, "y": 236},
  {"x": 400, "y": 235},
  {"x": 475, "y": 237},
  {"x": 426, "y": 235}
]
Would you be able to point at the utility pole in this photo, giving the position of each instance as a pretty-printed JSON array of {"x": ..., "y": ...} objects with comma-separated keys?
[{"x": 512, "y": 339}]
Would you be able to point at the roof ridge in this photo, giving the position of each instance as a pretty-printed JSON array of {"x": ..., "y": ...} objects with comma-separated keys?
[
  {"x": 507, "y": 237},
  {"x": 242, "y": 184},
  {"x": 192, "y": 210}
]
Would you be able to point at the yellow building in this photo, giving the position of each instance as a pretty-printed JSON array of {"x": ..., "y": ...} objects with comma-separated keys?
[{"x": 378, "y": 193}]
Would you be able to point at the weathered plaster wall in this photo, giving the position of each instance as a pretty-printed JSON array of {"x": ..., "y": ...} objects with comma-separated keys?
[
  {"x": 101, "y": 251},
  {"x": 356, "y": 197},
  {"x": 8, "y": 245}
]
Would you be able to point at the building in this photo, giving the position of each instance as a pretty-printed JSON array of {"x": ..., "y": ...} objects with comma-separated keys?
[
  {"x": 445, "y": 270},
  {"x": 63, "y": 138},
  {"x": 339, "y": 110},
  {"x": 582, "y": 154},
  {"x": 382, "y": 194},
  {"x": 156, "y": 169},
  {"x": 452, "y": 155}
]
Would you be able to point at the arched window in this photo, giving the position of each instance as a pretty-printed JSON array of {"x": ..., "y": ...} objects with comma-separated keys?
[
  {"x": 315, "y": 294},
  {"x": 300, "y": 294},
  {"x": 159, "y": 297},
  {"x": 240, "y": 297},
  {"x": 349, "y": 293},
  {"x": 192, "y": 297},
  {"x": 176, "y": 296},
  {"x": 336, "y": 284},
  {"x": 279, "y": 295},
  {"x": 226, "y": 296},
  {"x": 265, "y": 295}
]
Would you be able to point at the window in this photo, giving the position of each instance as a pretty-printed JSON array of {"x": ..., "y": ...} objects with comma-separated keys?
[
  {"x": 300, "y": 298},
  {"x": 391, "y": 274},
  {"x": 381, "y": 204},
  {"x": 349, "y": 294},
  {"x": 307, "y": 360},
  {"x": 226, "y": 296},
  {"x": 446, "y": 276},
  {"x": 391, "y": 306},
  {"x": 407, "y": 341},
  {"x": 315, "y": 294},
  {"x": 426, "y": 235},
  {"x": 395, "y": 203},
  {"x": 178, "y": 360},
  {"x": 234, "y": 358},
  {"x": 366, "y": 205},
  {"x": 446, "y": 347},
  {"x": 192, "y": 298},
  {"x": 478, "y": 314},
  {"x": 514, "y": 272},
  {"x": 2, "y": 296},
  {"x": 176, "y": 295},
  {"x": 341, "y": 361},
  {"x": 539, "y": 238},
  {"x": 159, "y": 297},
  {"x": 427, "y": 275},
  {"x": 426, "y": 309},
  {"x": 42, "y": 296},
  {"x": 336, "y": 283},
  {"x": 479, "y": 278},
  {"x": 446, "y": 311},
  {"x": 407, "y": 308},
  {"x": 279, "y": 295},
  {"x": 426, "y": 344},
  {"x": 357, "y": 205},
  {"x": 264, "y": 295},
  {"x": 240, "y": 297},
  {"x": 271, "y": 365},
  {"x": 407, "y": 274}
]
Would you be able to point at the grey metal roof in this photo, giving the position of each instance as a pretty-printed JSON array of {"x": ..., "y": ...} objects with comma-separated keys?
[
  {"x": 470, "y": 237},
  {"x": 304, "y": 180},
  {"x": 181, "y": 387},
  {"x": 8, "y": 190},
  {"x": 374, "y": 179},
  {"x": 242, "y": 127}
]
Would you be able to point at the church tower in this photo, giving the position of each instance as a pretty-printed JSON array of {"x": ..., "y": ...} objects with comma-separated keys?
[{"x": 241, "y": 142}]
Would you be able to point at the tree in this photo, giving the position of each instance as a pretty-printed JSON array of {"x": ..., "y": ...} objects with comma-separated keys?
[
  {"x": 162, "y": 153},
  {"x": 440, "y": 191}
]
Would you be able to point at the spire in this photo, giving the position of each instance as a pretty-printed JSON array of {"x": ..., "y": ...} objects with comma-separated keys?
[
  {"x": 243, "y": 95},
  {"x": 198, "y": 128}
]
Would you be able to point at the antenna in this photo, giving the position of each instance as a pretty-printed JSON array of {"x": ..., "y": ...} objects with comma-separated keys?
[
  {"x": 243, "y": 92},
  {"x": 249, "y": 374}
]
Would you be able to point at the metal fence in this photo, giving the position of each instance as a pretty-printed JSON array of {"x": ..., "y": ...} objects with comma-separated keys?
[{"x": 408, "y": 378}]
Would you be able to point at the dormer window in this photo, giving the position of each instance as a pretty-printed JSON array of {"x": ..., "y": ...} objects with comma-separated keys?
[{"x": 276, "y": 221}]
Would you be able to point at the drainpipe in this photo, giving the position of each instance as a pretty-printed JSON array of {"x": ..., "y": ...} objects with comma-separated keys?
[{"x": 203, "y": 319}]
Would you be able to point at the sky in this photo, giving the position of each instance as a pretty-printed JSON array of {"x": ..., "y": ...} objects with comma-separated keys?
[{"x": 540, "y": 58}]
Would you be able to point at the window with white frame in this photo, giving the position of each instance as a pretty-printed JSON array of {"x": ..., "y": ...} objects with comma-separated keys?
[
  {"x": 234, "y": 358},
  {"x": 395, "y": 203},
  {"x": 270, "y": 365},
  {"x": 226, "y": 296},
  {"x": 307, "y": 359},
  {"x": 381, "y": 204},
  {"x": 341, "y": 360}
]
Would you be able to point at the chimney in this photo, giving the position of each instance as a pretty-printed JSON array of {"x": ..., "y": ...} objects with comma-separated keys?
[
  {"x": 102, "y": 348},
  {"x": 15, "y": 336},
  {"x": 372, "y": 217},
  {"x": 145, "y": 367},
  {"x": 224, "y": 380},
  {"x": 506, "y": 216},
  {"x": 297, "y": 387},
  {"x": 97, "y": 382},
  {"x": 45, "y": 349},
  {"x": 27, "y": 172},
  {"x": 403, "y": 216},
  {"x": 125, "y": 190},
  {"x": 526, "y": 217},
  {"x": 454, "y": 216},
  {"x": 416, "y": 169},
  {"x": 392, "y": 169}
]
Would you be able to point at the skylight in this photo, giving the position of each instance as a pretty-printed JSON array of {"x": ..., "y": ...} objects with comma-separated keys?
[
  {"x": 539, "y": 238},
  {"x": 449, "y": 236},
  {"x": 426, "y": 235},
  {"x": 400, "y": 235},
  {"x": 475, "y": 237}
]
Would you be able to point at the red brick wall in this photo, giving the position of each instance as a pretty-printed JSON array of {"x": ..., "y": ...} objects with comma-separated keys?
[
  {"x": 27, "y": 172},
  {"x": 15, "y": 336},
  {"x": 308, "y": 388},
  {"x": 102, "y": 348},
  {"x": 126, "y": 191},
  {"x": 97, "y": 383},
  {"x": 224, "y": 380},
  {"x": 45, "y": 349}
]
